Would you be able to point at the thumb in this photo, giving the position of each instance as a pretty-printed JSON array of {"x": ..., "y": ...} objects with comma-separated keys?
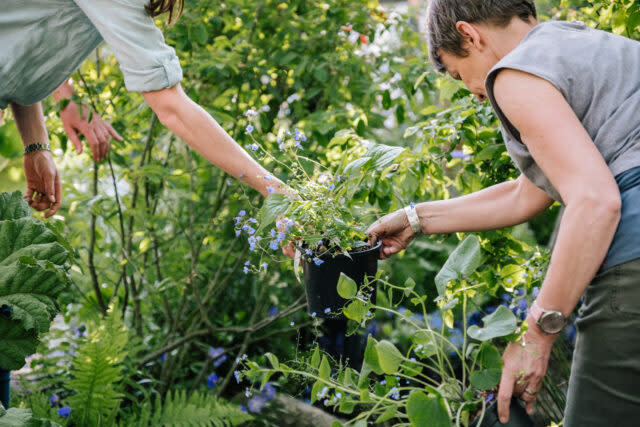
[{"x": 75, "y": 139}]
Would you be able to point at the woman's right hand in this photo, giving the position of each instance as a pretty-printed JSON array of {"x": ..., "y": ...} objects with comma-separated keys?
[
  {"x": 44, "y": 190},
  {"x": 393, "y": 230}
]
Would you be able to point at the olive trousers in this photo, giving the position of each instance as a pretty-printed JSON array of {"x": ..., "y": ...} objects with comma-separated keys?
[{"x": 604, "y": 387}]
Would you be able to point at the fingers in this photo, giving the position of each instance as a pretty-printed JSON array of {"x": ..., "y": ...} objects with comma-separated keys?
[
  {"x": 75, "y": 139},
  {"x": 29, "y": 194},
  {"x": 58, "y": 197},
  {"x": 92, "y": 139},
  {"x": 289, "y": 250},
  {"x": 112, "y": 132},
  {"x": 505, "y": 392}
]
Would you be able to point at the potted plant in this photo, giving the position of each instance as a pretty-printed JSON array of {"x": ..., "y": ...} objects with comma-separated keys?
[{"x": 444, "y": 376}]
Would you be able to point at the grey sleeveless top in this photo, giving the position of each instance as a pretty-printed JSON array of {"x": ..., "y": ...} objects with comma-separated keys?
[{"x": 598, "y": 73}]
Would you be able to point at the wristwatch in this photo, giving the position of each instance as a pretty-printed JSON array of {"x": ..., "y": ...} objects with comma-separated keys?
[{"x": 550, "y": 321}]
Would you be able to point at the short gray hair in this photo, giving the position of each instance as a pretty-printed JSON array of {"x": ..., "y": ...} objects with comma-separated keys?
[{"x": 443, "y": 15}]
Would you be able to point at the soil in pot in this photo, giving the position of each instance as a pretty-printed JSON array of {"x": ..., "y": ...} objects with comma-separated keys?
[
  {"x": 518, "y": 416},
  {"x": 321, "y": 281}
]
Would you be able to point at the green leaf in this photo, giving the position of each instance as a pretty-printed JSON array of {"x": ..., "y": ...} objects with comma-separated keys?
[
  {"x": 325, "y": 369},
  {"x": 13, "y": 206},
  {"x": 273, "y": 206},
  {"x": 389, "y": 357},
  {"x": 424, "y": 410},
  {"x": 498, "y": 324},
  {"x": 27, "y": 237},
  {"x": 388, "y": 413},
  {"x": 371, "y": 362},
  {"x": 463, "y": 261},
  {"x": 347, "y": 287},
  {"x": 315, "y": 358},
  {"x": 273, "y": 360},
  {"x": 486, "y": 379},
  {"x": 18, "y": 417},
  {"x": 30, "y": 291},
  {"x": 16, "y": 343},
  {"x": 489, "y": 356},
  {"x": 355, "y": 310}
]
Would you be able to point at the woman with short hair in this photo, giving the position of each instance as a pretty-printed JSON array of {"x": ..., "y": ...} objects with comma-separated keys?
[
  {"x": 42, "y": 42},
  {"x": 568, "y": 99}
]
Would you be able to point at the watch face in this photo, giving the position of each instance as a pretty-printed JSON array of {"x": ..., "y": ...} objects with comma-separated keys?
[{"x": 551, "y": 322}]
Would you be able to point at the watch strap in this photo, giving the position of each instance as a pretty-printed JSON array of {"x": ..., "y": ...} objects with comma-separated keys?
[{"x": 39, "y": 146}]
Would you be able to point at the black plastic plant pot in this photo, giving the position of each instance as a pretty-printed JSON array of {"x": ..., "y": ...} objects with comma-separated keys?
[
  {"x": 518, "y": 416},
  {"x": 5, "y": 377},
  {"x": 321, "y": 281}
]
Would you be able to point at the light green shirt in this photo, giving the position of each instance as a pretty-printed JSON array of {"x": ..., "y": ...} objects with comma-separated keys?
[{"x": 42, "y": 42}]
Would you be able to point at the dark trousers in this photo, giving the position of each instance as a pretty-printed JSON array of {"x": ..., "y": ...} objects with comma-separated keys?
[{"x": 604, "y": 388}]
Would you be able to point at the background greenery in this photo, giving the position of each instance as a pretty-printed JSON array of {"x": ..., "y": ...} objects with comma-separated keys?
[{"x": 152, "y": 229}]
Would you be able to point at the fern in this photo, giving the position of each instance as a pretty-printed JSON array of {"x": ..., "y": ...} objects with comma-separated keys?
[
  {"x": 197, "y": 410},
  {"x": 97, "y": 372}
]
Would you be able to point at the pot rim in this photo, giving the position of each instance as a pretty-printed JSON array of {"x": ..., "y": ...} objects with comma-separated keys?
[{"x": 358, "y": 254}]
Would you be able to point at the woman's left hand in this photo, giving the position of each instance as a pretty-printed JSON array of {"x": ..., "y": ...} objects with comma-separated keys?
[{"x": 525, "y": 364}]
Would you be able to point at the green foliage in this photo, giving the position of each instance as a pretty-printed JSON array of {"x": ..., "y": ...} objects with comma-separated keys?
[
  {"x": 16, "y": 417},
  {"x": 500, "y": 323},
  {"x": 97, "y": 373},
  {"x": 33, "y": 273},
  {"x": 466, "y": 258},
  {"x": 198, "y": 409}
]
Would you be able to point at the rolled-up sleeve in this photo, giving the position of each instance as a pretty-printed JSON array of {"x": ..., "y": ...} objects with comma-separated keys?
[{"x": 146, "y": 61}]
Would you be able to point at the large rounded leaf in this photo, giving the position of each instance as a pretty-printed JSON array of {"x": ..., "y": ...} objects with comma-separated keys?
[
  {"x": 424, "y": 410},
  {"x": 498, "y": 324},
  {"x": 463, "y": 261},
  {"x": 17, "y": 343}
]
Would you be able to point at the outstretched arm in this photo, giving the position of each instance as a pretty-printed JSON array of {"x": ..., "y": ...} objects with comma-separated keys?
[
  {"x": 43, "y": 182},
  {"x": 498, "y": 206},
  {"x": 197, "y": 128}
]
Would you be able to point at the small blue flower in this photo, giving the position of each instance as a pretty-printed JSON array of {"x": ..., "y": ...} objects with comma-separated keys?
[
  {"x": 292, "y": 323},
  {"x": 273, "y": 232},
  {"x": 257, "y": 403},
  {"x": 459, "y": 154},
  {"x": 297, "y": 145},
  {"x": 327, "y": 310},
  {"x": 320, "y": 243},
  {"x": 269, "y": 391},
  {"x": 215, "y": 352},
  {"x": 273, "y": 311},
  {"x": 238, "y": 232},
  {"x": 488, "y": 399},
  {"x": 220, "y": 360},
  {"x": 536, "y": 291},
  {"x": 246, "y": 392},
  {"x": 253, "y": 220},
  {"x": 228, "y": 181},
  {"x": 254, "y": 147},
  {"x": 278, "y": 140},
  {"x": 65, "y": 411},
  {"x": 212, "y": 380},
  {"x": 274, "y": 245},
  {"x": 270, "y": 190},
  {"x": 242, "y": 213},
  {"x": 163, "y": 357},
  {"x": 412, "y": 205},
  {"x": 241, "y": 175},
  {"x": 394, "y": 393},
  {"x": 54, "y": 400},
  {"x": 317, "y": 261},
  {"x": 522, "y": 304},
  {"x": 281, "y": 237},
  {"x": 313, "y": 314},
  {"x": 332, "y": 187},
  {"x": 308, "y": 252},
  {"x": 237, "y": 375},
  {"x": 243, "y": 408},
  {"x": 506, "y": 298},
  {"x": 249, "y": 128},
  {"x": 509, "y": 280},
  {"x": 245, "y": 270}
]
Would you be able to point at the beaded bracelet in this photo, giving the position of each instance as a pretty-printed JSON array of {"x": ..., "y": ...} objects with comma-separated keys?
[{"x": 36, "y": 147}]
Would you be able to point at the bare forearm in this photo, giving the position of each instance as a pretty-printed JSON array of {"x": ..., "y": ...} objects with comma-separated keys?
[
  {"x": 30, "y": 122},
  {"x": 64, "y": 91},
  {"x": 501, "y": 205},
  {"x": 585, "y": 235},
  {"x": 199, "y": 130}
]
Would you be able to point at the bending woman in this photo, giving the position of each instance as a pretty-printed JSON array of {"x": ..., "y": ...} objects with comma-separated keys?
[
  {"x": 42, "y": 42},
  {"x": 568, "y": 99}
]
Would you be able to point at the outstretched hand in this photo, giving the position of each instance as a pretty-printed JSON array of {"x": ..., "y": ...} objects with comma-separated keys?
[
  {"x": 44, "y": 190},
  {"x": 393, "y": 230},
  {"x": 97, "y": 132}
]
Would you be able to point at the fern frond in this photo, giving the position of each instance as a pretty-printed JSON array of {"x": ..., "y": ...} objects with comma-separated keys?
[
  {"x": 97, "y": 371},
  {"x": 197, "y": 410}
]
